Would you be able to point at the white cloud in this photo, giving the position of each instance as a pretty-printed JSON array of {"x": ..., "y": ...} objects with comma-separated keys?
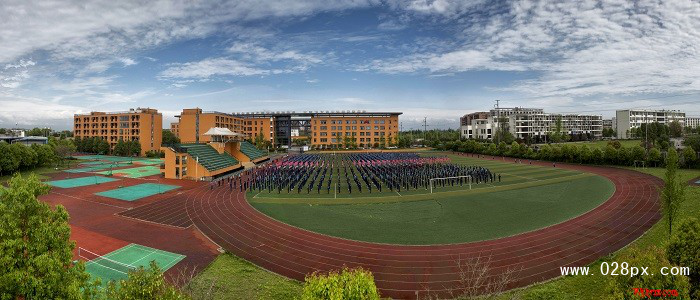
[
  {"x": 127, "y": 61},
  {"x": 106, "y": 28},
  {"x": 580, "y": 48},
  {"x": 33, "y": 111},
  {"x": 211, "y": 67}
]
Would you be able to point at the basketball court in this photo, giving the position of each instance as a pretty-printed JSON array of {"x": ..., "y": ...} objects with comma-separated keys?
[
  {"x": 82, "y": 181},
  {"x": 135, "y": 192},
  {"x": 117, "y": 264}
]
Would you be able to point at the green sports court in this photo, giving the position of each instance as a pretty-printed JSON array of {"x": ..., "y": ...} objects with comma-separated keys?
[
  {"x": 117, "y": 264},
  {"x": 135, "y": 192},
  {"x": 137, "y": 172},
  {"x": 93, "y": 166},
  {"x": 110, "y": 158},
  {"x": 82, "y": 181}
]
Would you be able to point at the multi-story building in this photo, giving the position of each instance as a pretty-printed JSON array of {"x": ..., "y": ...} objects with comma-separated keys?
[
  {"x": 320, "y": 129},
  {"x": 365, "y": 129},
  {"x": 528, "y": 123},
  {"x": 629, "y": 119},
  {"x": 607, "y": 124},
  {"x": 193, "y": 123},
  {"x": 142, "y": 124},
  {"x": 692, "y": 122},
  {"x": 175, "y": 128},
  {"x": 476, "y": 125}
]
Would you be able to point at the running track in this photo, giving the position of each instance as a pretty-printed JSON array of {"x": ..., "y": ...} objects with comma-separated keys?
[{"x": 408, "y": 271}]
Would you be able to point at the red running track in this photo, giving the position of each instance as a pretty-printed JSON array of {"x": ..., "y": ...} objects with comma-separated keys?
[{"x": 403, "y": 271}]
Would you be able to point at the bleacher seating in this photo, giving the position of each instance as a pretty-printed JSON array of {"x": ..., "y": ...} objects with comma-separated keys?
[
  {"x": 209, "y": 158},
  {"x": 251, "y": 151}
]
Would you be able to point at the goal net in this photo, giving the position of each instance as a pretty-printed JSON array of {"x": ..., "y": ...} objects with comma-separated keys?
[{"x": 436, "y": 182}]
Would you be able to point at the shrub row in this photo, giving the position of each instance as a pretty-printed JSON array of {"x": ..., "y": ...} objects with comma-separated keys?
[{"x": 612, "y": 154}]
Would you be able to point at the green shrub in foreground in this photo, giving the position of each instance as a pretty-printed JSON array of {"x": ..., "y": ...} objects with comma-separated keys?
[
  {"x": 622, "y": 287},
  {"x": 347, "y": 285},
  {"x": 684, "y": 251}
]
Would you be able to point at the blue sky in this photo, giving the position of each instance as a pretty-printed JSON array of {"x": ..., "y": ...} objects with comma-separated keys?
[{"x": 437, "y": 59}]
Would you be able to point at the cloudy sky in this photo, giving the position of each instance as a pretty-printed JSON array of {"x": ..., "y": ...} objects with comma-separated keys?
[{"x": 437, "y": 59}]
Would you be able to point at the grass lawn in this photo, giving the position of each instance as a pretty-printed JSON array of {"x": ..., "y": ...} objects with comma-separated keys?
[
  {"x": 595, "y": 286},
  {"x": 235, "y": 278},
  {"x": 41, "y": 171},
  {"x": 528, "y": 198}
]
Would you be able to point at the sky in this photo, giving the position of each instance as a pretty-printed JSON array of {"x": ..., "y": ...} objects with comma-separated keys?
[{"x": 437, "y": 59}]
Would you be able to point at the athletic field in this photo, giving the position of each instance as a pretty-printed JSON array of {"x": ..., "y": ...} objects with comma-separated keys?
[{"x": 528, "y": 197}]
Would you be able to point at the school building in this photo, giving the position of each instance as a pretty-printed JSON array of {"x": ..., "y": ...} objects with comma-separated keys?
[
  {"x": 142, "y": 124},
  {"x": 321, "y": 130}
]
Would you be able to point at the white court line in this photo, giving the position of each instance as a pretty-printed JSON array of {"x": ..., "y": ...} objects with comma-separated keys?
[{"x": 147, "y": 255}]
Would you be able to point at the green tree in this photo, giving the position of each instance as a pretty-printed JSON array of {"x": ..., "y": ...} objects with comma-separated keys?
[
  {"x": 689, "y": 157},
  {"x": 45, "y": 154},
  {"x": 120, "y": 148},
  {"x": 654, "y": 157},
  {"x": 693, "y": 141},
  {"x": 684, "y": 251},
  {"x": 9, "y": 158},
  {"x": 169, "y": 138},
  {"x": 144, "y": 284},
  {"x": 348, "y": 284},
  {"x": 675, "y": 129},
  {"x": 27, "y": 156},
  {"x": 622, "y": 287},
  {"x": 35, "y": 247},
  {"x": 131, "y": 148},
  {"x": 597, "y": 156},
  {"x": 63, "y": 149},
  {"x": 259, "y": 139},
  {"x": 610, "y": 154},
  {"x": 102, "y": 147},
  {"x": 584, "y": 154},
  {"x": 673, "y": 192}
]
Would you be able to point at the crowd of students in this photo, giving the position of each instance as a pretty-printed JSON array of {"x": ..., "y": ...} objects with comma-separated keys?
[{"x": 357, "y": 172}]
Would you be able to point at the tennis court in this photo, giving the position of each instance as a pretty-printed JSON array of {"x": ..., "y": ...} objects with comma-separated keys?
[
  {"x": 111, "y": 158},
  {"x": 93, "y": 166},
  {"x": 117, "y": 264},
  {"x": 137, "y": 172},
  {"x": 138, "y": 191},
  {"x": 82, "y": 181}
]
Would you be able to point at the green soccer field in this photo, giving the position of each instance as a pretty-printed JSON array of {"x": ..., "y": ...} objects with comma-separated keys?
[{"x": 527, "y": 198}]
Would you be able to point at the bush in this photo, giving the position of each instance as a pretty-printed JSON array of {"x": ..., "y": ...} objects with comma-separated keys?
[
  {"x": 684, "y": 251},
  {"x": 144, "y": 284},
  {"x": 622, "y": 287},
  {"x": 348, "y": 284}
]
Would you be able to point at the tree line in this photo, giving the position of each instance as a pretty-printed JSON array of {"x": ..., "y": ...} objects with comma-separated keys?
[
  {"x": 613, "y": 153},
  {"x": 18, "y": 157},
  {"x": 100, "y": 146}
]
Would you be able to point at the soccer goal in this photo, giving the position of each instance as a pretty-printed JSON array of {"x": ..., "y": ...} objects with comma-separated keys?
[{"x": 433, "y": 180}]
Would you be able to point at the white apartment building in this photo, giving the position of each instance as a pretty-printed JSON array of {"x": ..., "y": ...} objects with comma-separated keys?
[
  {"x": 526, "y": 123},
  {"x": 692, "y": 122},
  {"x": 478, "y": 125},
  {"x": 629, "y": 119}
]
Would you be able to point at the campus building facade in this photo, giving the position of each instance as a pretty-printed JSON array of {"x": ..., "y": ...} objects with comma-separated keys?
[
  {"x": 528, "y": 123},
  {"x": 142, "y": 124},
  {"x": 629, "y": 119},
  {"x": 322, "y": 130},
  {"x": 692, "y": 122}
]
